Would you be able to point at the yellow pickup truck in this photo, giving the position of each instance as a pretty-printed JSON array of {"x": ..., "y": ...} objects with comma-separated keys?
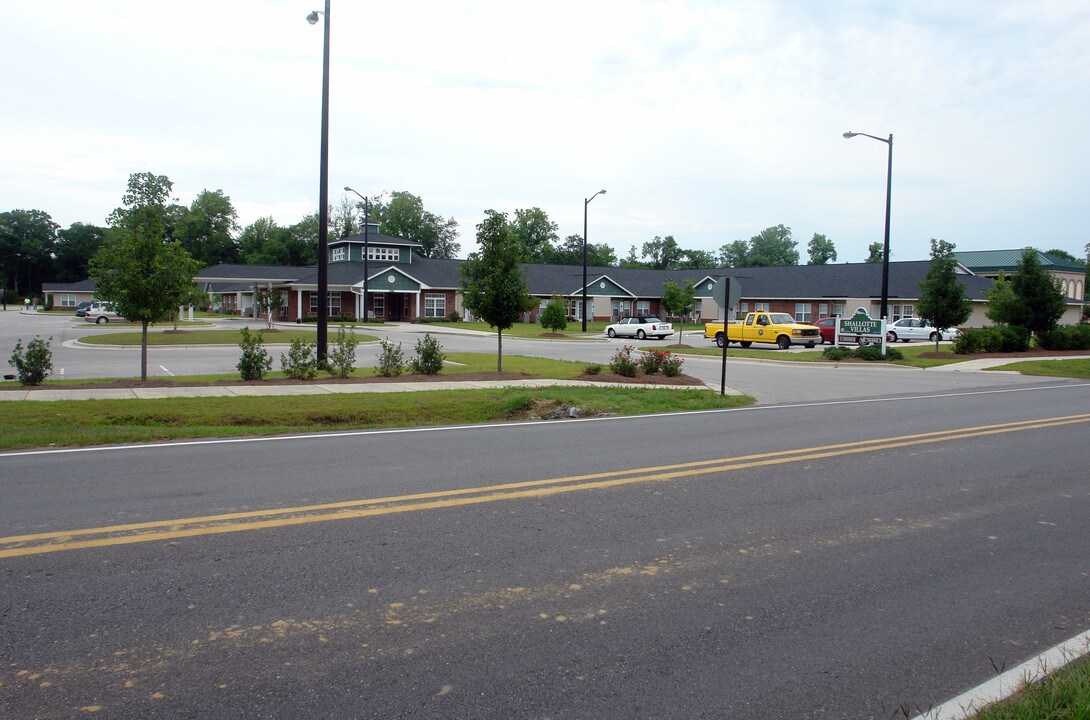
[{"x": 779, "y": 329}]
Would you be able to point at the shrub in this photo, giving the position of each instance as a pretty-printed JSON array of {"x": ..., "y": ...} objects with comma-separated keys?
[
  {"x": 342, "y": 358},
  {"x": 554, "y": 318},
  {"x": 254, "y": 362},
  {"x": 592, "y": 369},
  {"x": 996, "y": 338},
  {"x": 836, "y": 352},
  {"x": 454, "y": 317},
  {"x": 653, "y": 361},
  {"x": 969, "y": 341},
  {"x": 671, "y": 366},
  {"x": 301, "y": 362},
  {"x": 35, "y": 364},
  {"x": 622, "y": 363},
  {"x": 429, "y": 356},
  {"x": 1065, "y": 337},
  {"x": 391, "y": 359}
]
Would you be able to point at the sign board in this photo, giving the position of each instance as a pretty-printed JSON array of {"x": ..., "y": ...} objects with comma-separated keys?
[
  {"x": 860, "y": 324},
  {"x": 727, "y": 292}
]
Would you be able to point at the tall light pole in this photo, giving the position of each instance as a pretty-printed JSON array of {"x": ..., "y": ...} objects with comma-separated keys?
[
  {"x": 323, "y": 198},
  {"x": 889, "y": 187},
  {"x": 586, "y": 202},
  {"x": 366, "y": 221}
]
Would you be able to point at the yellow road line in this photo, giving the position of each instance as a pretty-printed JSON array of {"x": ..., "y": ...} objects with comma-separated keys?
[{"x": 21, "y": 545}]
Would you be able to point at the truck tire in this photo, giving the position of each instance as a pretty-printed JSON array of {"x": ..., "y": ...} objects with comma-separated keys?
[
  {"x": 746, "y": 343},
  {"x": 809, "y": 344},
  {"x": 720, "y": 340},
  {"x": 783, "y": 342}
]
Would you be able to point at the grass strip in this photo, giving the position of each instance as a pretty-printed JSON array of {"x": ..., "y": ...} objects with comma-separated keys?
[
  {"x": 1078, "y": 368},
  {"x": 1063, "y": 694},
  {"x": 204, "y": 337},
  {"x": 30, "y": 424},
  {"x": 911, "y": 352}
]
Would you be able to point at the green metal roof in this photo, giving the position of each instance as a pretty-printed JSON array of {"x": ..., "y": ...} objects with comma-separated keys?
[{"x": 993, "y": 260}]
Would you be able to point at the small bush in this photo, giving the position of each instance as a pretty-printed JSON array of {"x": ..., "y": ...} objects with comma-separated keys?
[
  {"x": 554, "y": 318},
  {"x": 1065, "y": 337},
  {"x": 454, "y": 317},
  {"x": 301, "y": 362},
  {"x": 34, "y": 365},
  {"x": 342, "y": 358},
  {"x": 429, "y": 356},
  {"x": 654, "y": 361},
  {"x": 836, "y": 353},
  {"x": 671, "y": 366},
  {"x": 993, "y": 339},
  {"x": 254, "y": 362},
  {"x": 622, "y": 363},
  {"x": 592, "y": 369},
  {"x": 391, "y": 360}
]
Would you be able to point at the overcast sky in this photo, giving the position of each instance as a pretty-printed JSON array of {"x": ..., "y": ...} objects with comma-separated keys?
[{"x": 708, "y": 121}]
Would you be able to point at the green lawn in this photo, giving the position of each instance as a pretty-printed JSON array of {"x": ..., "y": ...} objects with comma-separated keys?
[
  {"x": 911, "y": 352},
  {"x": 1063, "y": 694},
  {"x": 1078, "y": 368},
  {"x": 205, "y": 337}
]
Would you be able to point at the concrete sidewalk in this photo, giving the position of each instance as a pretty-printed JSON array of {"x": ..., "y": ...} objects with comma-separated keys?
[{"x": 316, "y": 388}]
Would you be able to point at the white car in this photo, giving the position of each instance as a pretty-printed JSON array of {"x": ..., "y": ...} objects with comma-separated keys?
[
  {"x": 101, "y": 313},
  {"x": 907, "y": 329},
  {"x": 641, "y": 327}
]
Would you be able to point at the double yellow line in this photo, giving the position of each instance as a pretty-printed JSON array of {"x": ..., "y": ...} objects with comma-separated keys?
[{"x": 160, "y": 530}]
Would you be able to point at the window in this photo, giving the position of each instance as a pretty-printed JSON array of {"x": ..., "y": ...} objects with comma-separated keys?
[
  {"x": 803, "y": 312},
  {"x": 698, "y": 308},
  {"x": 383, "y": 253},
  {"x": 574, "y": 306},
  {"x": 338, "y": 254},
  {"x": 435, "y": 305},
  {"x": 899, "y": 311},
  {"x": 643, "y": 307},
  {"x": 67, "y": 300},
  {"x": 823, "y": 309},
  {"x": 743, "y": 310},
  {"x": 378, "y": 304},
  {"x": 334, "y": 303},
  {"x": 759, "y": 307},
  {"x": 838, "y": 309}
]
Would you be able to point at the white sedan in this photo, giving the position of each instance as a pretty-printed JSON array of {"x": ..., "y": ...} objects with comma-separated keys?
[
  {"x": 907, "y": 329},
  {"x": 640, "y": 327}
]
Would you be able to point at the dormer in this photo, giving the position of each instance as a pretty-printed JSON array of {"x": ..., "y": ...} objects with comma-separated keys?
[{"x": 384, "y": 249}]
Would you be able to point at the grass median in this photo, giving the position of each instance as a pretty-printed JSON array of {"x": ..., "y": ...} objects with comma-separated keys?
[{"x": 31, "y": 424}]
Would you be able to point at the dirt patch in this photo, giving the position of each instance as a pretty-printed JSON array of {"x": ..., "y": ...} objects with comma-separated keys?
[{"x": 642, "y": 379}]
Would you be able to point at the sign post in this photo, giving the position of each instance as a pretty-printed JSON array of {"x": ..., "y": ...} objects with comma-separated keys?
[{"x": 726, "y": 293}]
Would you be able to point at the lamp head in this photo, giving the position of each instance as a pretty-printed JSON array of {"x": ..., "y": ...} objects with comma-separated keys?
[
  {"x": 849, "y": 135},
  {"x": 348, "y": 189},
  {"x": 313, "y": 17}
]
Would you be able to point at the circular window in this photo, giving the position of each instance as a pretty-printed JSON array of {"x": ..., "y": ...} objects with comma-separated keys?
[
  {"x": 389, "y": 278},
  {"x": 710, "y": 286},
  {"x": 602, "y": 284}
]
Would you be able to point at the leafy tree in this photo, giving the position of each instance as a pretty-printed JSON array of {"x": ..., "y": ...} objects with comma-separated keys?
[
  {"x": 874, "y": 252},
  {"x": 32, "y": 234},
  {"x": 205, "y": 228},
  {"x": 1001, "y": 300},
  {"x": 1038, "y": 302},
  {"x": 631, "y": 260},
  {"x": 303, "y": 241},
  {"x": 74, "y": 249},
  {"x": 404, "y": 216},
  {"x": 1055, "y": 252},
  {"x": 821, "y": 249},
  {"x": 772, "y": 247},
  {"x": 536, "y": 233},
  {"x": 697, "y": 260},
  {"x": 493, "y": 285},
  {"x": 735, "y": 254},
  {"x": 942, "y": 297},
  {"x": 141, "y": 273},
  {"x": 343, "y": 220},
  {"x": 570, "y": 252},
  {"x": 554, "y": 318},
  {"x": 263, "y": 242},
  {"x": 679, "y": 302},
  {"x": 663, "y": 253}
]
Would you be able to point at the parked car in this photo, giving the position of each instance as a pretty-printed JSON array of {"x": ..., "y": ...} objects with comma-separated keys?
[
  {"x": 101, "y": 313},
  {"x": 640, "y": 327},
  {"x": 81, "y": 309},
  {"x": 907, "y": 329},
  {"x": 827, "y": 326}
]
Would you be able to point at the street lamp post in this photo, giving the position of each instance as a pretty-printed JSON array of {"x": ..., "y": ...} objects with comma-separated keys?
[
  {"x": 586, "y": 202},
  {"x": 889, "y": 188},
  {"x": 4, "y": 290},
  {"x": 366, "y": 223},
  {"x": 323, "y": 198}
]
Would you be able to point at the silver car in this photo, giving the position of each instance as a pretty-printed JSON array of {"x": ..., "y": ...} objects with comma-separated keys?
[
  {"x": 907, "y": 329},
  {"x": 101, "y": 313}
]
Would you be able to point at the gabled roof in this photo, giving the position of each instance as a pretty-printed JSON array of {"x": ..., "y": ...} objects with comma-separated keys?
[
  {"x": 238, "y": 272},
  {"x": 81, "y": 286},
  {"x": 995, "y": 260},
  {"x": 375, "y": 238}
]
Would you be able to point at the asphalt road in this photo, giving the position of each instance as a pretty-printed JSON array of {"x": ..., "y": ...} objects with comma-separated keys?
[{"x": 832, "y": 560}]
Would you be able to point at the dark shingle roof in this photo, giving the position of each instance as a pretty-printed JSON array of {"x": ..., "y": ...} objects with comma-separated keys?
[{"x": 81, "y": 286}]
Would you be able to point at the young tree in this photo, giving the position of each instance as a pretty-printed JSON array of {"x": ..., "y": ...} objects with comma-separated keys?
[
  {"x": 268, "y": 300},
  {"x": 554, "y": 318},
  {"x": 874, "y": 252},
  {"x": 493, "y": 285},
  {"x": 942, "y": 298},
  {"x": 679, "y": 302},
  {"x": 144, "y": 276},
  {"x": 1001, "y": 301},
  {"x": 821, "y": 249},
  {"x": 1040, "y": 303}
]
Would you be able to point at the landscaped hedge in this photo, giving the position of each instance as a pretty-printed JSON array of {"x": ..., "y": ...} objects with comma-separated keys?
[
  {"x": 997, "y": 338},
  {"x": 1065, "y": 337}
]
